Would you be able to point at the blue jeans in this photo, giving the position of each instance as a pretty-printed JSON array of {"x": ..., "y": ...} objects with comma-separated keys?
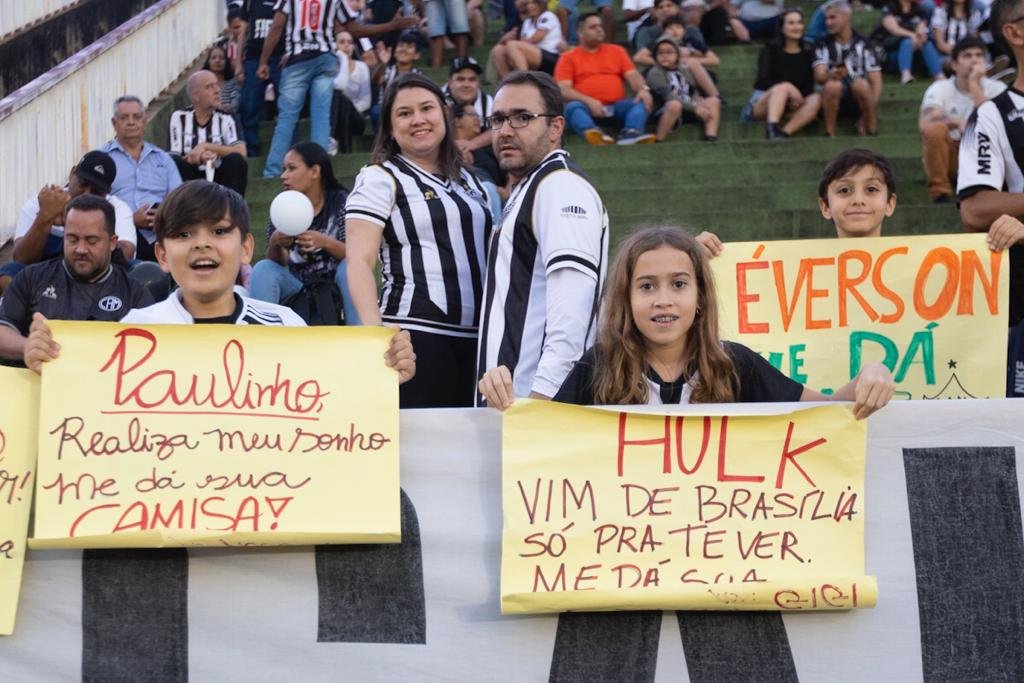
[
  {"x": 904, "y": 56},
  {"x": 627, "y": 112},
  {"x": 270, "y": 281},
  {"x": 251, "y": 106},
  {"x": 816, "y": 29},
  {"x": 315, "y": 76}
]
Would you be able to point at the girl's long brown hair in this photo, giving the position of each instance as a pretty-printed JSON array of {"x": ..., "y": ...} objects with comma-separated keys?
[{"x": 620, "y": 362}]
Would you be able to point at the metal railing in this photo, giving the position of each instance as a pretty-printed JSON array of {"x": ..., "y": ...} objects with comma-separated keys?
[
  {"x": 16, "y": 15},
  {"x": 46, "y": 125}
]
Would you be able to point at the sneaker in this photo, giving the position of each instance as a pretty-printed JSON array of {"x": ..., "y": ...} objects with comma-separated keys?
[
  {"x": 598, "y": 137},
  {"x": 632, "y": 136},
  {"x": 332, "y": 147},
  {"x": 774, "y": 132}
]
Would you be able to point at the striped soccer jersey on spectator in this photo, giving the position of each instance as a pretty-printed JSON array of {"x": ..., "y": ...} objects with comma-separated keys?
[
  {"x": 186, "y": 134},
  {"x": 309, "y": 29},
  {"x": 553, "y": 219},
  {"x": 434, "y": 244},
  {"x": 857, "y": 56}
]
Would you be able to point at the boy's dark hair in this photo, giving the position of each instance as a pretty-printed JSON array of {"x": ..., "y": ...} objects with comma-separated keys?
[
  {"x": 199, "y": 202},
  {"x": 966, "y": 44},
  {"x": 92, "y": 202},
  {"x": 235, "y": 13},
  {"x": 1001, "y": 13},
  {"x": 674, "y": 20},
  {"x": 585, "y": 16},
  {"x": 550, "y": 93},
  {"x": 852, "y": 160}
]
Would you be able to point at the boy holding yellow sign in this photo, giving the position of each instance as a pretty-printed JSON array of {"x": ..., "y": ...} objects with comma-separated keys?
[{"x": 202, "y": 240}]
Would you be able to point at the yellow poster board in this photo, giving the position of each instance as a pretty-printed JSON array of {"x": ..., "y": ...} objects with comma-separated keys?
[
  {"x": 189, "y": 435},
  {"x": 610, "y": 510},
  {"x": 933, "y": 308},
  {"x": 19, "y": 413}
]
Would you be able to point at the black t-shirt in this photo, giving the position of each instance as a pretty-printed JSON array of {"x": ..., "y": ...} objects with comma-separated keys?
[
  {"x": 759, "y": 380},
  {"x": 223, "y": 319},
  {"x": 775, "y": 65},
  {"x": 260, "y": 15},
  {"x": 50, "y": 289}
]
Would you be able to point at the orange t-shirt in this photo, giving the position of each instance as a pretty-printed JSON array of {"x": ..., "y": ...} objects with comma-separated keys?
[{"x": 597, "y": 74}]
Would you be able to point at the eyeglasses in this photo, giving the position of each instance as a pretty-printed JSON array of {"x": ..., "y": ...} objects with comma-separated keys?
[{"x": 518, "y": 120}]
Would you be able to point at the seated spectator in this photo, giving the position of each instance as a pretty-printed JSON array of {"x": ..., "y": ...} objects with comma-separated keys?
[
  {"x": 540, "y": 41},
  {"x": 857, "y": 192},
  {"x": 447, "y": 18},
  {"x": 83, "y": 285},
  {"x": 953, "y": 22},
  {"x": 592, "y": 78},
  {"x": 785, "y": 80},
  {"x": 318, "y": 254},
  {"x": 903, "y": 34},
  {"x": 497, "y": 53},
  {"x": 463, "y": 88},
  {"x": 676, "y": 93},
  {"x": 352, "y": 96},
  {"x": 203, "y": 138},
  {"x": 482, "y": 162},
  {"x": 477, "y": 22},
  {"x": 219, "y": 65},
  {"x": 405, "y": 55},
  {"x": 636, "y": 14},
  {"x": 761, "y": 17},
  {"x": 694, "y": 53},
  {"x": 945, "y": 109},
  {"x": 39, "y": 234},
  {"x": 145, "y": 173},
  {"x": 719, "y": 21},
  {"x": 569, "y": 17},
  {"x": 845, "y": 67}
]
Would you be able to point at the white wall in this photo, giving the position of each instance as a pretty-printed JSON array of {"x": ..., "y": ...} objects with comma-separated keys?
[
  {"x": 46, "y": 125},
  {"x": 18, "y": 14}
]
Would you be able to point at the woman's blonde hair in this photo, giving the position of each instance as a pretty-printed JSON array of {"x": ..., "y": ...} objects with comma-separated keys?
[{"x": 620, "y": 362}]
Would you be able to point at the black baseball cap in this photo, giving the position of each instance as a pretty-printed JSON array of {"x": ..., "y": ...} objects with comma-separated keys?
[
  {"x": 97, "y": 169},
  {"x": 460, "y": 63}
]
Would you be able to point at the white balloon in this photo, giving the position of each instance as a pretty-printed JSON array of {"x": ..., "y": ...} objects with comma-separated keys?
[{"x": 291, "y": 212}]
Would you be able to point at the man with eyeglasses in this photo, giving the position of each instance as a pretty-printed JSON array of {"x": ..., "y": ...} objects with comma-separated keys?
[
  {"x": 990, "y": 179},
  {"x": 547, "y": 257}
]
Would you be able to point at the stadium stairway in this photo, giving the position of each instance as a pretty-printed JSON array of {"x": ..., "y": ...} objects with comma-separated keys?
[{"x": 742, "y": 187}]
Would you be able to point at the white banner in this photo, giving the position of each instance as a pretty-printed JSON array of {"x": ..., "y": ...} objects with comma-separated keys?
[{"x": 943, "y": 537}]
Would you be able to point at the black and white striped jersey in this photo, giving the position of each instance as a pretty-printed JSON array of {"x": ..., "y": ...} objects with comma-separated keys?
[
  {"x": 434, "y": 244},
  {"x": 545, "y": 267},
  {"x": 185, "y": 133},
  {"x": 309, "y": 29}
]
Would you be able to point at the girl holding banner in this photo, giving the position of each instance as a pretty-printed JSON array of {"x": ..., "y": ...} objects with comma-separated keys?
[{"x": 658, "y": 341}]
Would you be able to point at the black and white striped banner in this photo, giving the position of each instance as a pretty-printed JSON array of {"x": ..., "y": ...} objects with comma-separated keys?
[{"x": 943, "y": 537}]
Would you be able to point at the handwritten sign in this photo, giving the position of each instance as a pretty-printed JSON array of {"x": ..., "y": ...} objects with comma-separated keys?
[
  {"x": 177, "y": 435},
  {"x": 19, "y": 413},
  {"x": 624, "y": 510},
  {"x": 932, "y": 308}
]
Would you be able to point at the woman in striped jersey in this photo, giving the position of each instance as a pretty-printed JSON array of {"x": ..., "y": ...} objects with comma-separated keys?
[{"x": 426, "y": 218}]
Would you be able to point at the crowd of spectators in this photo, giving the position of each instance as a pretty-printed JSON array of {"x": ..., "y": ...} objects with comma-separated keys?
[{"x": 356, "y": 69}]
